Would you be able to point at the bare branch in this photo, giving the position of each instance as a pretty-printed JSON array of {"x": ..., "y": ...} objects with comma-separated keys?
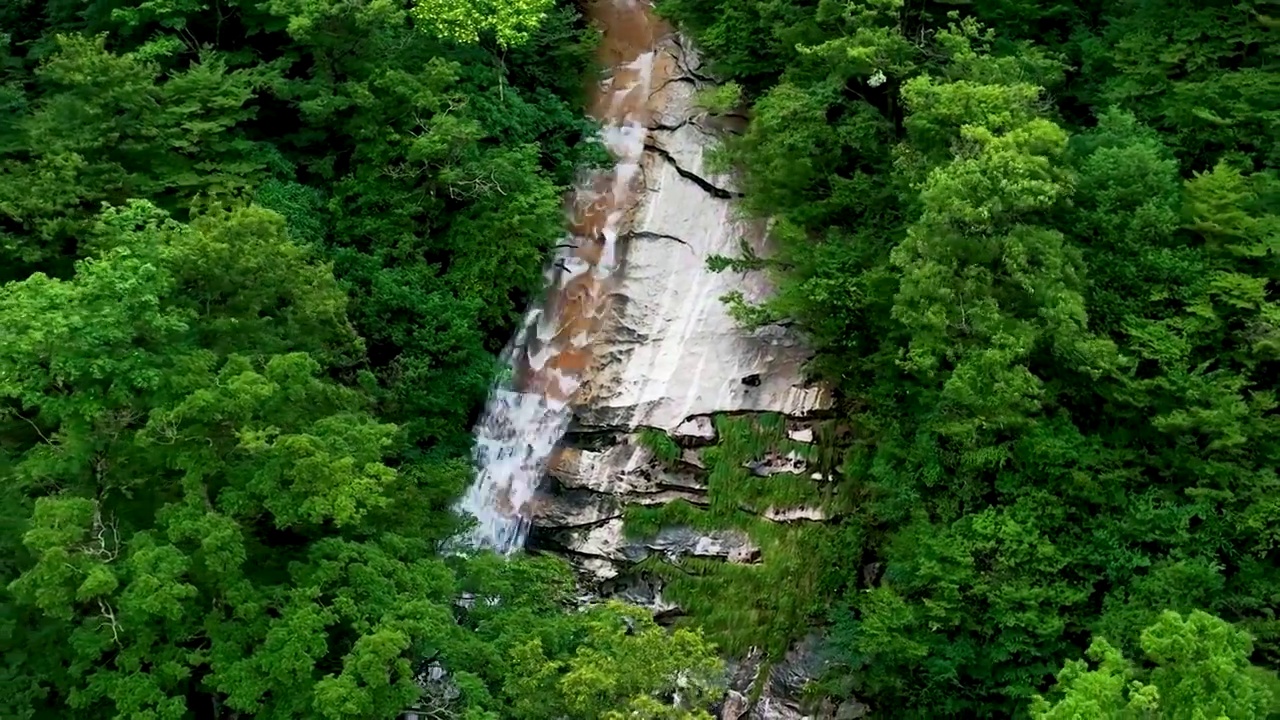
[
  {"x": 105, "y": 548},
  {"x": 35, "y": 427},
  {"x": 109, "y": 619}
]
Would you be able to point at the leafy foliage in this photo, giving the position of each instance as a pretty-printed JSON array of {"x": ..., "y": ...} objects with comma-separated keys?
[
  {"x": 509, "y": 22},
  {"x": 781, "y": 598},
  {"x": 257, "y": 260},
  {"x": 1201, "y": 670},
  {"x": 258, "y": 257},
  {"x": 1035, "y": 247},
  {"x": 660, "y": 444}
]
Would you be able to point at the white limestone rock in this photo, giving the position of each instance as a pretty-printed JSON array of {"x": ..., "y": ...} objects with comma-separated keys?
[
  {"x": 604, "y": 541},
  {"x": 771, "y": 708},
  {"x": 596, "y": 569},
  {"x": 699, "y": 428},
  {"x": 686, "y": 145},
  {"x": 811, "y": 514},
  {"x": 626, "y": 470},
  {"x": 801, "y": 435},
  {"x": 777, "y": 464},
  {"x": 669, "y": 349},
  {"x": 672, "y": 101},
  {"x": 619, "y": 470},
  {"x": 608, "y": 541},
  {"x": 675, "y": 542}
]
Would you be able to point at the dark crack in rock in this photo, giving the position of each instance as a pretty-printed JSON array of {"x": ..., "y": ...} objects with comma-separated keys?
[
  {"x": 575, "y": 508},
  {"x": 706, "y": 185}
]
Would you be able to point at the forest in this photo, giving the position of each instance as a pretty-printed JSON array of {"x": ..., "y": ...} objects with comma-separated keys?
[{"x": 258, "y": 259}]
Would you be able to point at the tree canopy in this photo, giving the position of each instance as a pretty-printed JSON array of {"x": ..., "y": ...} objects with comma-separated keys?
[
  {"x": 258, "y": 259},
  {"x": 1035, "y": 246},
  {"x": 1201, "y": 670}
]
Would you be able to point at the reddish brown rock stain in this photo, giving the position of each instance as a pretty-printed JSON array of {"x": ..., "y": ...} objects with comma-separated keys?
[{"x": 630, "y": 30}]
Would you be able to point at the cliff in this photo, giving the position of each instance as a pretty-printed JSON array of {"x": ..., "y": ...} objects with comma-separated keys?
[{"x": 693, "y": 440}]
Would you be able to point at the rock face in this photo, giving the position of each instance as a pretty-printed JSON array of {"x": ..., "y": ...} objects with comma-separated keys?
[
  {"x": 669, "y": 356},
  {"x": 667, "y": 359},
  {"x": 776, "y": 690},
  {"x": 669, "y": 350}
]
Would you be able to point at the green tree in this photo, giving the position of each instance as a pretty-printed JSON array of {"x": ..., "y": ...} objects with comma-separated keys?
[
  {"x": 623, "y": 666},
  {"x": 510, "y": 21},
  {"x": 1205, "y": 72},
  {"x": 183, "y": 457},
  {"x": 230, "y": 434},
  {"x": 419, "y": 164},
  {"x": 112, "y": 127},
  {"x": 1045, "y": 299},
  {"x": 1199, "y": 669}
]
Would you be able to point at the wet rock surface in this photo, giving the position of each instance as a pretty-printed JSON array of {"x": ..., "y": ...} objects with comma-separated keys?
[
  {"x": 669, "y": 357},
  {"x": 575, "y": 508},
  {"x": 695, "y": 355}
]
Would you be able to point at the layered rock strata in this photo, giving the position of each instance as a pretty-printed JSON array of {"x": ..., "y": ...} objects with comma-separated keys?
[
  {"x": 668, "y": 359},
  {"x": 634, "y": 350}
]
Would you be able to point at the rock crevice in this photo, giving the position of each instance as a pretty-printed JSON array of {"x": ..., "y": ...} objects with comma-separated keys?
[
  {"x": 704, "y": 184},
  {"x": 668, "y": 360},
  {"x": 649, "y": 235},
  {"x": 670, "y": 357}
]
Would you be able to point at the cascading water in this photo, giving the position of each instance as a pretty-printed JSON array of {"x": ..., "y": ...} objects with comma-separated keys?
[{"x": 528, "y": 415}]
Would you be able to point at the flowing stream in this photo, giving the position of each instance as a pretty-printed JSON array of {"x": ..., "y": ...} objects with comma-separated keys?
[{"x": 527, "y": 416}]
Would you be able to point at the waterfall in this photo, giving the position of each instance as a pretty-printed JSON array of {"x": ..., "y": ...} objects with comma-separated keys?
[{"x": 528, "y": 414}]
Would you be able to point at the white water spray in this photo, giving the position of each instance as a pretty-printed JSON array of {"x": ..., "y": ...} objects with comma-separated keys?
[{"x": 527, "y": 415}]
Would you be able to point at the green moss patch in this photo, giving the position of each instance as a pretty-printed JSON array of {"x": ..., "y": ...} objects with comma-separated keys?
[
  {"x": 662, "y": 445},
  {"x": 771, "y": 603}
]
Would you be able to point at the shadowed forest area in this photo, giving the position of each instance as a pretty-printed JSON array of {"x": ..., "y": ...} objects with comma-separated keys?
[
  {"x": 1037, "y": 247},
  {"x": 259, "y": 258}
]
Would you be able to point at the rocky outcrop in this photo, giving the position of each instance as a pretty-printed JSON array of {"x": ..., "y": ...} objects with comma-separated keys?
[
  {"x": 669, "y": 350},
  {"x": 581, "y": 511},
  {"x": 794, "y": 514},
  {"x": 760, "y": 691},
  {"x": 667, "y": 360},
  {"x": 669, "y": 355},
  {"x": 697, "y": 429},
  {"x": 627, "y": 470}
]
